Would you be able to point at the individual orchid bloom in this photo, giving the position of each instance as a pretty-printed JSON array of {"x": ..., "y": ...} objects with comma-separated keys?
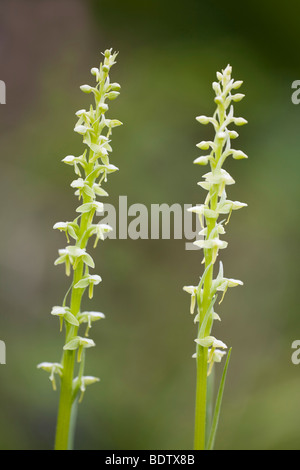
[
  {"x": 85, "y": 118},
  {"x": 70, "y": 228},
  {"x": 71, "y": 255},
  {"x": 219, "y": 229},
  {"x": 75, "y": 161},
  {"x": 79, "y": 343},
  {"x": 100, "y": 230},
  {"x": 80, "y": 129},
  {"x": 89, "y": 281},
  {"x": 82, "y": 188},
  {"x": 53, "y": 368},
  {"x": 226, "y": 283},
  {"x": 111, "y": 123},
  {"x": 221, "y": 283},
  {"x": 192, "y": 290},
  {"x": 211, "y": 215},
  {"x": 215, "y": 316},
  {"x": 100, "y": 150},
  {"x": 82, "y": 382},
  {"x": 64, "y": 313},
  {"x": 211, "y": 243},
  {"x": 90, "y": 206},
  {"x": 203, "y": 211},
  {"x": 225, "y": 206},
  {"x": 106, "y": 170},
  {"x": 210, "y": 341},
  {"x": 214, "y": 355},
  {"x": 89, "y": 317},
  {"x": 215, "y": 244},
  {"x": 220, "y": 178}
]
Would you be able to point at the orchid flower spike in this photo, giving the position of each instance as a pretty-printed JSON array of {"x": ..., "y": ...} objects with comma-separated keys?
[
  {"x": 91, "y": 169},
  {"x": 211, "y": 215}
]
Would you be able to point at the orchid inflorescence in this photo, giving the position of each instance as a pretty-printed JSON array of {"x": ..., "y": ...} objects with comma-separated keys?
[
  {"x": 91, "y": 170},
  {"x": 214, "y": 214}
]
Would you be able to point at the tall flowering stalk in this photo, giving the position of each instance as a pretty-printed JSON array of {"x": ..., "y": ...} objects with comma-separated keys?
[
  {"x": 91, "y": 170},
  {"x": 214, "y": 214}
]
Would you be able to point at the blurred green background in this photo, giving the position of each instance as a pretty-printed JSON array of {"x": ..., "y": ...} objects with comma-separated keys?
[{"x": 169, "y": 53}]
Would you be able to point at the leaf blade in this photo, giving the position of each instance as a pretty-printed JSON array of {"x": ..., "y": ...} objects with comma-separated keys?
[{"x": 216, "y": 416}]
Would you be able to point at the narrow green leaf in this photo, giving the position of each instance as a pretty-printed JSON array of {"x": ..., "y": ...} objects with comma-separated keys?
[{"x": 216, "y": 417}]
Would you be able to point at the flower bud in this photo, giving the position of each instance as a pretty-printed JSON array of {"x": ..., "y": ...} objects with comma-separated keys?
[
  {"x": 203, "y": 119},
  {"x": 114, "y": 87},
  {"x": 240, "y": 121},
  {"x": 112, "y": 95},
  {"x": 238, "y": 154},
  {"x": 218, "y": 100},
  {"x": 201, "y": 160},
  {"x": 227, "y": 72},
  {"x": 221, "y": 135},
  {"x": 69, "y": 159},
  {"x": 80, "y": 112},
  {"x": 203, "y": 145},
  {"x": 80, "y": 129},
  {"x": 233, "y": 134},
  {"x": 237, "y": 97},
  {"x": 94, "y": 71},
  {"x": 86, "y": 88},
  {"x": 216, "y": 87},
  {"x": 237, "y": 84},
  {"x": 103, "y": 107},
  {"x": 113, "y": 123}
]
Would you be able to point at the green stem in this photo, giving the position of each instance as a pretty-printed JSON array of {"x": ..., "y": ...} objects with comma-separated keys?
[
  {"x": 202, "y": 353},
  {"x": 216, "y": 417},
  {"x": 201, "y": 390},
  {"x": 73, "y": 419},
  {"x": 65, "y": 403},
  {"x": 68, "y": 362}
]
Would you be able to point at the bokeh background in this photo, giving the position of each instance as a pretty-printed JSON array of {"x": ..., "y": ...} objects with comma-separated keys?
[{"x": 169, "y": 53}]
